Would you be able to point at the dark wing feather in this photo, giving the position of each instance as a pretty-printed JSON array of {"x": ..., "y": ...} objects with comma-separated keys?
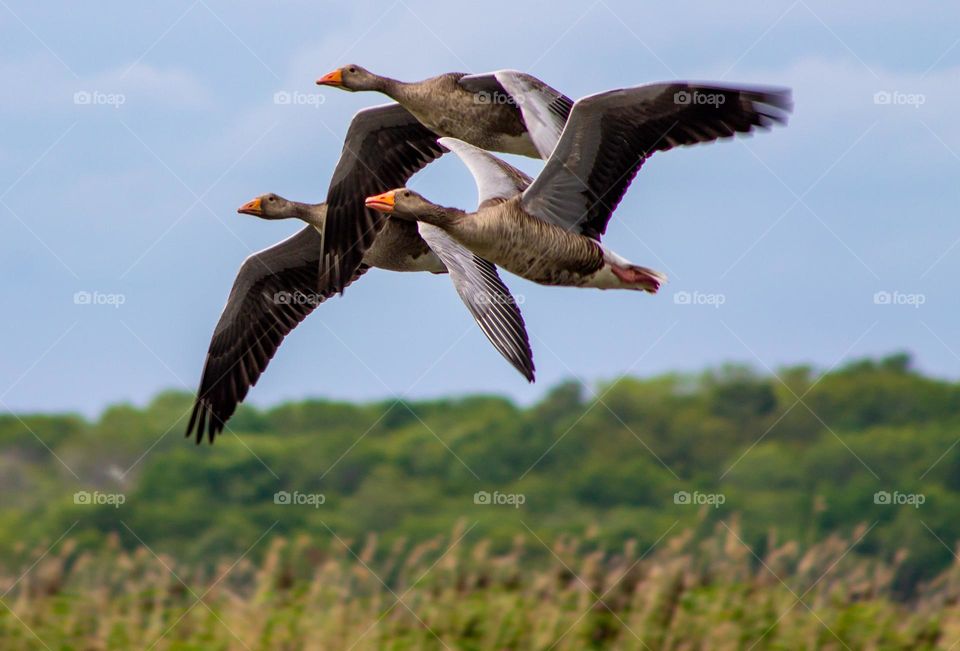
[
  {"x": 274, "y": 291},
  {"x": 486, "y": 296},
  {"x": 384, "y": 147},
  {"x": 610, "y": 135}
]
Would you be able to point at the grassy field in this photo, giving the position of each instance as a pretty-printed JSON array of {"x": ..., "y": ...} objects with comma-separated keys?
[{"x": 456, "y": 592}]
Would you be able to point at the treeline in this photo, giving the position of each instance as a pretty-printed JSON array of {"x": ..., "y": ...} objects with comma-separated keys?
[{"x": 796, "y": 456}]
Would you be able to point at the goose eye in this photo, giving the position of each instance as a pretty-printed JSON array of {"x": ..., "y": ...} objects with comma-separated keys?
[
  {"x": 352, "y": 69},
  {"x": 269, "y": 198},
  {"x": 406, "y": 194}
]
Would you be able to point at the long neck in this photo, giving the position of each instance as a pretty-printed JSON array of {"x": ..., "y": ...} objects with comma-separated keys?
[
  {"x": 397, "y": 90},
  {"x": 314, "y": 214},
  {"x": 442, "y": 216}
]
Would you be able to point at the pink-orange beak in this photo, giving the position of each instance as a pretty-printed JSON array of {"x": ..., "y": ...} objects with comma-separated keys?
[
  {"x": 251, "y": 208},
  {"x": 334, "y": 78},
  {"x": 381, "y": 202}
]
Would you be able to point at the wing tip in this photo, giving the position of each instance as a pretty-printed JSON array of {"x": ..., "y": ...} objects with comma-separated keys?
[
  {"x": 204, "y": 423},
  {"x": 773, "y": 105},
  {"x": 530, "y": 374}
]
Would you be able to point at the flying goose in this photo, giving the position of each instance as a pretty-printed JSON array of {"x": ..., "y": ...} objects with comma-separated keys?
[
  {"x": 483, "y": 110},
  {"x": 277, "y": 288},
  {"x": 550, "y": 232}
]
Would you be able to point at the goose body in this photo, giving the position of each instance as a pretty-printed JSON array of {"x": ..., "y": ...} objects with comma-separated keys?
[
  {"x": 549, "y": 231},
  {"x": 447, "y": 108},
  {"x": 540, "y": 251},
  {"x": 483, "y": 110},
  {"x": 531, "y": 248}
]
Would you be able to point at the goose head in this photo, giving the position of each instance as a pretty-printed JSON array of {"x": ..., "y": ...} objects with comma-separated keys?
[
  {"x": 272, "y": 206},
  {"x": 407, "y": 204},
  {"x": 351, "y": 77}
]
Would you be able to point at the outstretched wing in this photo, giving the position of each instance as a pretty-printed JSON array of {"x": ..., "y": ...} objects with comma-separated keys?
[
  {"x": 384, "y": 147},
  {"x": 488, "y": 299},
  {"x": 610, "y": 135},
  {"x": 274, "y": 291}
]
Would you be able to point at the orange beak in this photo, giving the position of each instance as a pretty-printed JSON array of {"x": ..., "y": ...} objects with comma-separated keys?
[
  {"x": 381, "y": 202},
  {"x": 334, "y": 78},
  {"x": 251, "y": 208}
]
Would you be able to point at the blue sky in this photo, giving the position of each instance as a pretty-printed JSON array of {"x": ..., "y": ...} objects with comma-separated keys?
[{"x": 132, "y": 133}]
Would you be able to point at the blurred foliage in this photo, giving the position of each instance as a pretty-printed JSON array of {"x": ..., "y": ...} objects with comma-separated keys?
[
  {"x": 317, "y": 592},
  {"x": 796, "y": 455}
]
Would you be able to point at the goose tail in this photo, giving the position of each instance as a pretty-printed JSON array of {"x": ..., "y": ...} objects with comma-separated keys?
[{"x": 640, "y": 278}]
